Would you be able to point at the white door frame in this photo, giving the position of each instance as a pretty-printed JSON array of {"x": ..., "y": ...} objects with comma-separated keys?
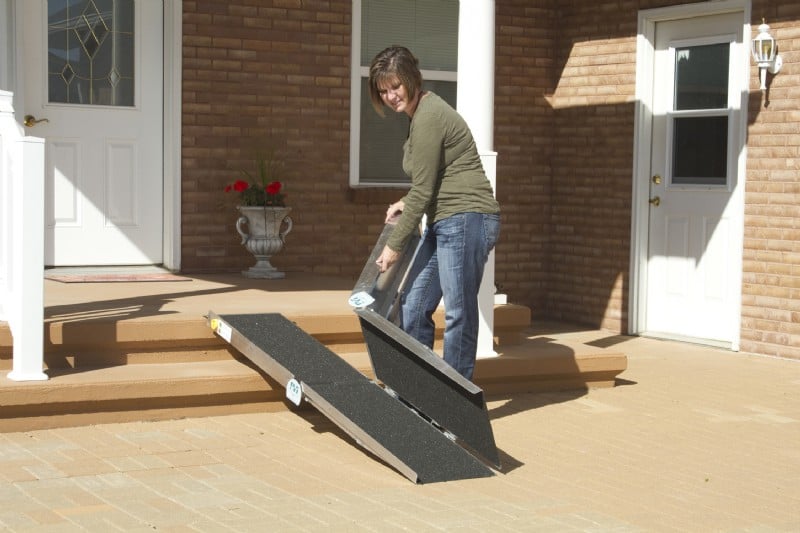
[
  {"x": 645, "y": 51},
  {"x": 173, "y": 36},
  {"x": 173, "y": 82}
]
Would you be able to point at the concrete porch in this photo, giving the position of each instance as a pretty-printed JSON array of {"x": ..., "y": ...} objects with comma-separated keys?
[{"x": 142, "y": 350}]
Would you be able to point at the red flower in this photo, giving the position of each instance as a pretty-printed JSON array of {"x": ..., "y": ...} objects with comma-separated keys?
[
  {"x": 274, "y": 187},
  {"x": 258, "y": 190}
]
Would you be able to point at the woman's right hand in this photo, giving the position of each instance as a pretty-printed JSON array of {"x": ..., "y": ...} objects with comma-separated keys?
[
  {"x": 387, "y": 258},
  {"x": 394, "y": 212}
]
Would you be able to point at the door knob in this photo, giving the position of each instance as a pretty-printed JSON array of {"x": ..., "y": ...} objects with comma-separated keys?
[
  {"x": 30, "y": 121},
  {"x": 655, "y": 201}
]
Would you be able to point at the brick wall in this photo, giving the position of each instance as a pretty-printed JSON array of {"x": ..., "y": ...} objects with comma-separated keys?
[
  {"x": 590, "y": 194},
  {"x": 272, "y": 72},
  {"x": 564, "y": 118},
  {"x": 524, "y": 43},
  {"x": 280, "y": 70},
  {"x": 588, "y": 259},
  {"x": 771, "y": 277},
  {"x": 592, "y": 161}
]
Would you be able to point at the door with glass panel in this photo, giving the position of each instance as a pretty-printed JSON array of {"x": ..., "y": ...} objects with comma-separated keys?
[
  {"x": 695, "y": 222},
  {"x": 93, "y": 90}
]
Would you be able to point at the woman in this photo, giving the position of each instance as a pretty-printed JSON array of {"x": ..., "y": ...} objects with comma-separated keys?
[{"x": 449, "y": 186}]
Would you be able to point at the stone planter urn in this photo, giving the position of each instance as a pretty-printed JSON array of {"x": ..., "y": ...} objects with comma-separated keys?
[{"x": 264, "y": 237}]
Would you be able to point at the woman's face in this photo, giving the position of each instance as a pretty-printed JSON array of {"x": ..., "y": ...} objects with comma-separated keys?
[{"x": 395, "y": 95}]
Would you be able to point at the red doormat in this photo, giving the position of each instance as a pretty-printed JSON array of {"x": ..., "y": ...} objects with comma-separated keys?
[{"x": 115, "y": 278}]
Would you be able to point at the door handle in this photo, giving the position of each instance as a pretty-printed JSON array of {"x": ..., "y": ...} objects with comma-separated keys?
[
  {"x": 655, "y": 201},
  {"x": 30, "y": 121}
]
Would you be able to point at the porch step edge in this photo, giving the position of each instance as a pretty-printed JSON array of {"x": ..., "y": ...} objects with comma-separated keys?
[{"x": 173, "y": 390}]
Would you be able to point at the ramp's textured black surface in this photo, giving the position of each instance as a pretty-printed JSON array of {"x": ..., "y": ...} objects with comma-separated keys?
[
  {"x": 383, "y": 287},
  {"x": 402, "y": 433},
  {"x": 308, "y": 360},
  {"x": 425, "y": 381},
  {"x": 364, "y": 410}
]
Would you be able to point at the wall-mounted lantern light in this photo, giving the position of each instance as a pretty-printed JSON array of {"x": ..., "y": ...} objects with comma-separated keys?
[{"x": 765, "y": 53}]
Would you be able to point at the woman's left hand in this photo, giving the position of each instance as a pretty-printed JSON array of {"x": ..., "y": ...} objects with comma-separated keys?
[{"x": 394, "y": 212}]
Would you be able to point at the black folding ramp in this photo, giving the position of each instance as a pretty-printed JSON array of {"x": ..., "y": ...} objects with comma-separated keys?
[
  {"x": 427, "y": 383},
  {"x": 410, "y": 369},
  {"x": 376, "y": 420}
]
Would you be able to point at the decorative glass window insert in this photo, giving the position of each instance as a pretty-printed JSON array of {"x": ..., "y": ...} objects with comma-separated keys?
[
  {"x": 700, "y": 120},
  {"x": 430, "y": 30},
  {"x": 90, "y": 52}
]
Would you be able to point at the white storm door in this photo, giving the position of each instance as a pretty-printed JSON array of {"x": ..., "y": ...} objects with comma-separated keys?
[
  {"x": 696, "y": 214},
  {"x": 93, "y": 71}
]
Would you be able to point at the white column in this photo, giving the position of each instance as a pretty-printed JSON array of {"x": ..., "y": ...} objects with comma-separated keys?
[
  {"x": 21, "y": 214},
  {"x": 476, "y": 104},
  {"x": 27, "y": 261},
  {"x": 476, "y": 69}
]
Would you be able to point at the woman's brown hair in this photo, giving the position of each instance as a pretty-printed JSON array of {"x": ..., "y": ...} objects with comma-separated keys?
[{"x": 394, "y": 62}]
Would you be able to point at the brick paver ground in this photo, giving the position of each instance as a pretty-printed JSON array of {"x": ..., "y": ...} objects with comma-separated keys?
[{"x": 692, "y": 439}]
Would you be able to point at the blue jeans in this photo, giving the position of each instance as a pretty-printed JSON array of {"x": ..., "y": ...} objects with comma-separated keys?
[{"x": 449, "y": 263}]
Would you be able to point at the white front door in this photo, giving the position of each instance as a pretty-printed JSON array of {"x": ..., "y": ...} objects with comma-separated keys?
[
  {"x": 695, "y": 211},
  {"x": 93, "y": 77}
]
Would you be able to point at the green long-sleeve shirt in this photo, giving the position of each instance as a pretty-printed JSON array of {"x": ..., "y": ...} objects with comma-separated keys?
[{"x": 446, "y": 173}]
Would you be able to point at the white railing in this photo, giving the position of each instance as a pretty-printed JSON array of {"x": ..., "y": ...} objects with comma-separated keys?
[{"x": 22, "y": 243}]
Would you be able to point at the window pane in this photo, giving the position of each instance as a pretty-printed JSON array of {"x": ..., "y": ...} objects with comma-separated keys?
[
  {"x": 428, "y": 28},
  {"x": 436, "y": 35},
  {"x": 701, "y": 77},
  {"x": 381, "y": 155},
  {"x": 90, "y": 52},
  {"x": 700, "y": 151},
  {"x": 381, "y": 150}
]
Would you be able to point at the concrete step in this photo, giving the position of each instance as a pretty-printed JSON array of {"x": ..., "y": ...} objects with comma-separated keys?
[
  {"x": 168, "y": 390},
  {"x": 112, "y": 371},
  {"x": 107, "y": 341}
]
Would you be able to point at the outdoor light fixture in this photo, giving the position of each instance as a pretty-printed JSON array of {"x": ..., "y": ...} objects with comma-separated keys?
[{"x": 765, "y": 53}]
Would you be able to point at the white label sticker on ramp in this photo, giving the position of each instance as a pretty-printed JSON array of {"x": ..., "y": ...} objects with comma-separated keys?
[
  {"x": 361, "y": 299},
  {"x": 294, "y": 391},
  {"x": 222, "y": 329}
]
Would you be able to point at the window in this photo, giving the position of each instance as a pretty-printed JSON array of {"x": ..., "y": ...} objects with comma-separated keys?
[
  {"x": 700, "y": 118},
  {"x": 429, "y": 28}
]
